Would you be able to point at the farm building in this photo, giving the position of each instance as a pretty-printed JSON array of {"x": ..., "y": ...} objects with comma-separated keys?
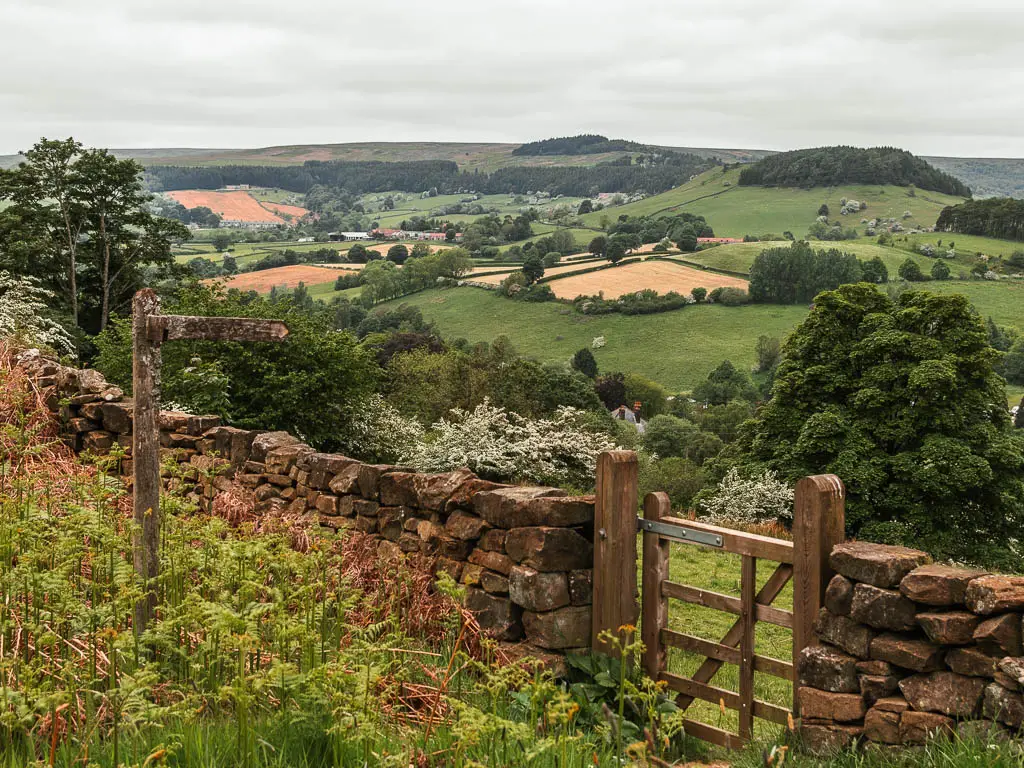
[{"x": 344, "y": 236}]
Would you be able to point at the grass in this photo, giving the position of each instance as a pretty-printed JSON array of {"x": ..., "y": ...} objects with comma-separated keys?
[
  {"x": 677, "y": 349},
  {"x": 967, "y": 246},
  {"x": 735, "y": 211},
  {"x": 738, "y": 257}
]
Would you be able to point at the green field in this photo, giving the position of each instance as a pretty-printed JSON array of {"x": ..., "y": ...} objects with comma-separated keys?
[
  {"x": 738, "y": 257},
  {"x": 967, "y": 246},
  {"x": 735, "y": 211},
  {"x": 677, "y": 348}
]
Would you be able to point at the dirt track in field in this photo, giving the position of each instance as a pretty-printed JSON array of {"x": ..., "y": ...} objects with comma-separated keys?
[{"x": 661, "y": 276}]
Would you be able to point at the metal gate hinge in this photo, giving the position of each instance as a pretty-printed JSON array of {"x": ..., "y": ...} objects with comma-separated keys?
[{"x": 679, "y": 532}]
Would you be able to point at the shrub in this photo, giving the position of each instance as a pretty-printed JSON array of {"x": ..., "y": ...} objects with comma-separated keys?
[
  {"x": 681, "y": 479},
  {"x": 911, "y": 272},
  {"x": 729, "y": 297},
  {"x": 699, "y": 294},
  {"x": 760, "y": 498},
  {"x": 651, "y": 395},
  {"x": 703, "y": 446},
  {"x": 723, "y": 384},
  {"x": 668, "y": 435},
  {"x": 940, "y": 271},
  {"x": 768, "y": 349},
  {"x": 584, "y": 362},
  {"x": 501, "y": 445},
  {"x": 25, "y": 315}
]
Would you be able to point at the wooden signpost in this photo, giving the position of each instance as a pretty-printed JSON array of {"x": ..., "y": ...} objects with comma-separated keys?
[{"x": 150, "y": 329}]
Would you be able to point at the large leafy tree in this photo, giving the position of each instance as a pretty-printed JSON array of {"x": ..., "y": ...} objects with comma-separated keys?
[
  {"x": 304, "y": 385},
  {"x": 79, "y": 220},
  {"x": 901, "y": 400}
]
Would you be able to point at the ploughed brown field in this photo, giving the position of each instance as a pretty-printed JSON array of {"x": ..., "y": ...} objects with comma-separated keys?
[
  {"x": 661, "y": 276},
  {"x": 287, "y": 277},
  {"x": 237, "y": 205}
]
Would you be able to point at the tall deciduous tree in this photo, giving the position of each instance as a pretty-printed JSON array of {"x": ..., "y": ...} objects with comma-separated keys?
[{"x": 901, "y": 400}]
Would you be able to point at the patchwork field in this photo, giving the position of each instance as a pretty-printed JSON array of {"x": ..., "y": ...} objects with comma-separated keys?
[
  {"x": 548, "y": 271},
  {"x": 281, "y": 277},
  {"x": 738, "y": 257},
  {"x": 662, "y": 276},
  {"x": 237, "y": 205}
]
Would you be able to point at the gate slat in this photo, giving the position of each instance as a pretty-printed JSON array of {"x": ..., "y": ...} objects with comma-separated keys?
[
  {"x": 713, "y": 735},
  {"x": 740, "y": 542},
  {"x": 727, "y": 603},
  {"x": 725, "y": 653},
  {"x": 771, "y": 589},
  {"x": 694, "y": 690},
  {"x": 748, "y": 587}
]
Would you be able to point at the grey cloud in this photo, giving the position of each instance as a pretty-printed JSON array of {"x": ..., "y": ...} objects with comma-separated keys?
[{"x": 934, "y": 76}]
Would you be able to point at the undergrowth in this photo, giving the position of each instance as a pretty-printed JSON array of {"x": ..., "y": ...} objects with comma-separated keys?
[{"x": 271, "y": 644}]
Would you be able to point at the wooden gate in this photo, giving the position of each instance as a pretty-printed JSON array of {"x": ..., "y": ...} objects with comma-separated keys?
[{"x": 818, "y": 525}]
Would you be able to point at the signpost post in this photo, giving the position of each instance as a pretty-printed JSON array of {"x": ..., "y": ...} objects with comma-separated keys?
[{"x": 150, "y": 330}]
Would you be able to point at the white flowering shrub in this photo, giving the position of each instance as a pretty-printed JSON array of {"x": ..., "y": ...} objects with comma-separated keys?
[
  {"x": 502, "y": 445},
  {"x": 598, "y": 342},
  {"x": 990, "y": 275},
  {"x": 758, "y": 499},
  {"x": 23, "y": 311},
  {"x": 379, "y": 432}
]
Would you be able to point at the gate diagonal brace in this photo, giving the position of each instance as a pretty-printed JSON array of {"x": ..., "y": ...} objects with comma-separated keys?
[{"x": 679, "y": 532}]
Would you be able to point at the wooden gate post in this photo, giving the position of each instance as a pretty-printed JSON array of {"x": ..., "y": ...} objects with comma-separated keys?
[
  {"x": 819, "y": 523},
  {"x": 145, "y": 451},
  {"x": 615, "y": 531},
  {"x": 655, "y": 570}
]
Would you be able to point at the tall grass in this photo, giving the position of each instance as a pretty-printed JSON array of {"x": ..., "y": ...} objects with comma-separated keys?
[{"x": 271, "y": 645}]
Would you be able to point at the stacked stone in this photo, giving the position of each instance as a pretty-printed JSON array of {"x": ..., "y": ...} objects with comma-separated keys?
[
  {"x": 523, "y": 553},
  {"x": 910, "y": 649}
]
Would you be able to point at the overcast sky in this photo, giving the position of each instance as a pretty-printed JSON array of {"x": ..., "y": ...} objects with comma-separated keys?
[{"x": 935, "y": 77}]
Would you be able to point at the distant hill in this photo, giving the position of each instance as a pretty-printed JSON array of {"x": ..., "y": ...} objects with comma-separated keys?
[
  {"x": 985, "y": 176},
  {"x": 833, "y": 166}
]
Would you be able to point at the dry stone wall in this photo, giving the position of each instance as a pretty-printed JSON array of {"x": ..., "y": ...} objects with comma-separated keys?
[
  {"x": 524, "y": 553},
  {"x": 910, "y": 649}
]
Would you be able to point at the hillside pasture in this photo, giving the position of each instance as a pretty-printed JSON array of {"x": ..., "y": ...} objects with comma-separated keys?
[
  {"x": 281, "y": 277},
  {"x": 657, "y": 275},
  {"x": 562, "y": 269},
  {"x": 739, "y": 257},
  {"x": 735, "y": 211}
]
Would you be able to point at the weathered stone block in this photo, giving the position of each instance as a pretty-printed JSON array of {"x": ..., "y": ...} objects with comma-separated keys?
[
  {"x": 907, "y": 652},
  {"x": 369, "y": 478},
  {"x": 1000, "y": 633},
  {"x": 364, "y": 507},
  {"x": 390, "y": 522},
  {"x": 465, "y": 526},
  {"x": 494, "y": 583},
  {"x": 322, "y": 468},
  {"x": 839, "y": 595},
  {"x": 824, "y": 705},
  {"x": 281, "y": 460},
  {"x": 1013, "y": 668},
  {"x": 281, "y": 481},
  {"x": 495, "y": 561},
  {"x": 944, "y": 692},
  {"x": 920, "y": 727},
  {"x": 936, "y": 584},
  {"x": 471, "y": 574},
  {"x": 364, "y": 524},
  {"x": 882, "y": 608},
  {"x": 581, "y": 586},
  {"x": 198, "y": 425},
  {"x": 1003, "y": 706},
  {"x": 828, "y": 738},
  {"x": 266, "y": 491},
  {"x": 828, "y": 669},
  {"x": 549, "y": 549},
  {"x": 498, "y": 507},
  {"x": 117, "y": 417},
  {"x": 265, "y": 442},
  {"x": 844, "y": 633},
  {"x": 873, "y": 667},
  {"x": 880, "y": 565},
  {"x": 327, "y": 505},
  {"x": 892, "y": 704},
  {"x": 98, "y": 441},
  {"x": 971, "y": 661},
  {"x": 462, "y": 497},
  {"x": 537, "y": 591},
  {"x": 952, "y": 628},
  {"x": 875, "y": 687},
  {"x": 346, "y": 480},
  {"x": 452, "y": 567},
  {"x": 456, "y": 549},
  {"x": 493, "y": 540},
  {"x": 408, "y": 542},
  {"x": 429, "y": 531},
  {"x": 497, "y": 616},
  {"x": 565, "y": 628},
  {"x": 994, "y": 594},
  {"x": 882, "y": 726}
]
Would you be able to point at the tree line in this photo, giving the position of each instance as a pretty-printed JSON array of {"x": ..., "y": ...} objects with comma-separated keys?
[
  {"x": 442, "y": 176},
  {"x": 1001, "y": 217},
  {"x": 830, "y": 166}
]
